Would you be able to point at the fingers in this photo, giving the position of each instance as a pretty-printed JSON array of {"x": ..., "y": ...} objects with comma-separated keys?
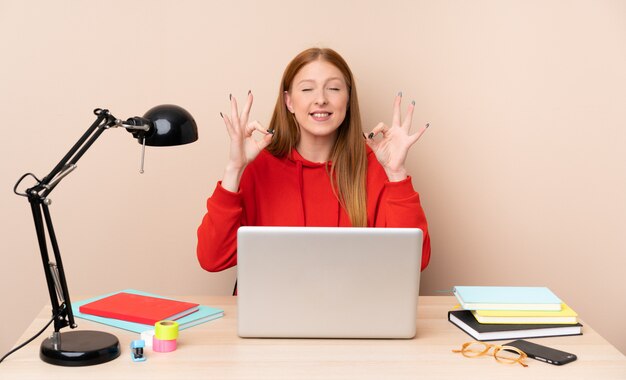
[
  {"x": 397, "y": 113},
  {"x": 234, "y": 113},
  {"x": 397, "y": 120},
  {"x": 379, "y": 128},
  {"x": 371, "y": 142},
  {"x": 413, "y": 138},
  {"x": 265, "y": 141},
  {"x": 409, "y": 117},
  {"x": 369, "y": 139},
  {"x": 246, "y": 109},
  {"x": 267, "y": 138},
  {"x": 255, "y": 125},
  {"x": 238, "y": 122},
  {"x": 229, "y": 124}
]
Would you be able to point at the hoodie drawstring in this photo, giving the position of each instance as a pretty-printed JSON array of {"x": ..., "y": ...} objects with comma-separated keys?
[{"x": 301, "y": 186}]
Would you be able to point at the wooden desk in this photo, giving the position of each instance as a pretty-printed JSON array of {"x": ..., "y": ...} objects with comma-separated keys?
[{"x": 213, "y": 351}]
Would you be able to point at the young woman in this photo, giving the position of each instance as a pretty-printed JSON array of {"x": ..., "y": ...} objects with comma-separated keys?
[{"x": 314, "y": 166}]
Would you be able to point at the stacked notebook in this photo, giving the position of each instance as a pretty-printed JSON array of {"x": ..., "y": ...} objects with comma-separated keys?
[
  {"x": 510, "y": 312},
  {"x": 138, "y": 311}
]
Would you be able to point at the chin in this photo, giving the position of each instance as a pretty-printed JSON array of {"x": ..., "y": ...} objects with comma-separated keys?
[{"x": 321, "y": 132}]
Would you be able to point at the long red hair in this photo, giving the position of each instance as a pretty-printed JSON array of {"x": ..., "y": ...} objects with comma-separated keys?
[{"x": 348, "y": 157}]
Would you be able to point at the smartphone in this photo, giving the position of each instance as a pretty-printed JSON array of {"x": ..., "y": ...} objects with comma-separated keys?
[{"x": 543, "y": 353}]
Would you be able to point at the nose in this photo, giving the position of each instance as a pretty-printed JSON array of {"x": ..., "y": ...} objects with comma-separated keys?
[{"x": 321, "y": 98}]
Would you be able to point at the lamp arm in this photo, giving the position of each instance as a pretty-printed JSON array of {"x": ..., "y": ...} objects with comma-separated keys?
[
  {"x": 68, "y": 167},
  {"x": 102, "y": 116},
  {"x": 55, "y": 275},
  {"x": 138, "y": 126},
  {"x": 37, "y": 197}
]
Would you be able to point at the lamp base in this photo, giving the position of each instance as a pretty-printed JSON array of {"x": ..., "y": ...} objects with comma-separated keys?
[{"x": 80, "y": 348}]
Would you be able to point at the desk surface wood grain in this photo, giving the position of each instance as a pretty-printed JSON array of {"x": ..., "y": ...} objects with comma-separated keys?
[{"x": 213, "y": 350}]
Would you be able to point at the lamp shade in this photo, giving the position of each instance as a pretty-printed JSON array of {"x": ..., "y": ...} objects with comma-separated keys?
[{"x": 171, "y": 125}]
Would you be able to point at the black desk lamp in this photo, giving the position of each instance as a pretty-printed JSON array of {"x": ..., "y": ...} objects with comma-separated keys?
[{"x": 164, "y": 125}]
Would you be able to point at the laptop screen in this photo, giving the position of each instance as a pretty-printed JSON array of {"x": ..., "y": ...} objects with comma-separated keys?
[{"x": 328, "y": 282}]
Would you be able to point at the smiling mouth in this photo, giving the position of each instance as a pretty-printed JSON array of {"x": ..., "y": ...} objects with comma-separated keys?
[{"x": 320, "y": 115}]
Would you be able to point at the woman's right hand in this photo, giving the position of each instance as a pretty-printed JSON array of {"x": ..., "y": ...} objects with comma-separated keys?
[{"x": 243, "y": 147}]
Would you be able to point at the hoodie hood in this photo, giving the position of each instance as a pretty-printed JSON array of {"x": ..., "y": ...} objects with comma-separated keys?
[{"x": 296, "y": 157}]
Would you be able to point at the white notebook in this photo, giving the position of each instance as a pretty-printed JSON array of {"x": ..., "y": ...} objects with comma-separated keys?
[{"x": 328, "y": 282}]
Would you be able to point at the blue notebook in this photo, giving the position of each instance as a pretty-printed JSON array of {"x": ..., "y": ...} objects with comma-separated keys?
[
  {"x": 204, "y": 314},
  {"x": 506, "y": 298}
]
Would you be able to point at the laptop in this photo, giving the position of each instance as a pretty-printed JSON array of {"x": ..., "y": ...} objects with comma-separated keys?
[{"x": 328, "y": 282}]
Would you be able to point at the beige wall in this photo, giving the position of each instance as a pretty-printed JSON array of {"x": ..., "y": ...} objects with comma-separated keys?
[{"x": 522, "y": 174}]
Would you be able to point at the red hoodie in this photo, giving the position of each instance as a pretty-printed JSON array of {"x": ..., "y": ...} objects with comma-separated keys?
[{"x": 292, "y": 191}]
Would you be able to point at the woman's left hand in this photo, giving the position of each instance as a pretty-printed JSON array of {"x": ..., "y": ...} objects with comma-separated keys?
[{"x": 392, "y": 149}]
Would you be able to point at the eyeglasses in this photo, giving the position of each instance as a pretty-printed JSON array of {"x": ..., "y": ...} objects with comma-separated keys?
[{"x": 503, "y": 354}]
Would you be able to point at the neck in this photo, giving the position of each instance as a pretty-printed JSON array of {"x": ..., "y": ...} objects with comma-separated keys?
[{"x": 316, "y": 149}]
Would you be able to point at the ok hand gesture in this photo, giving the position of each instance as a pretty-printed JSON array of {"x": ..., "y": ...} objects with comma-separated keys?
[
  {"x": 391, "y": 151},
  {"x": 243, "y": 147}
]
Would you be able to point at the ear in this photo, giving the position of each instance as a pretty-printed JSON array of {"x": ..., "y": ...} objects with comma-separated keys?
[{"x": 288, "y": 101}]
